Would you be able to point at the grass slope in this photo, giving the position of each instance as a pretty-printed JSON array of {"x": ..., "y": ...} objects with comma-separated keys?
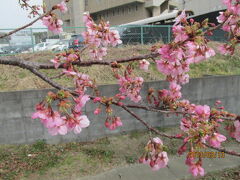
[{"x": 13, "y": 78}]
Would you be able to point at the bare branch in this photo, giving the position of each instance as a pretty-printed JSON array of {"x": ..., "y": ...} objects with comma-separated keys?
[
  {"x": 25, "y": 26},
  {"x": 104, "y": 63},
  {"x": 146, "y": 124},
  {"x": 223, "y": 150},
  {"x": 168, "y": 111},
  {"x": 15, "y": 61},
  {"x": 31, "y": 23}
]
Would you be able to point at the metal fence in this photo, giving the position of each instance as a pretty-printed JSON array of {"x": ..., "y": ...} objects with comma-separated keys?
[{"x": 40, "y": 39}]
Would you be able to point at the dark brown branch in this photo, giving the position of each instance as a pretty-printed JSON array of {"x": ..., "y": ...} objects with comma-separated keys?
[
  {"x": 223, "y": 150},
  {"x": 147, "y": 125},
  {"x": 171, "y": 111},
  {"x": 15, "y": 61},
  {"x": 104, "y": 63},
  {"x": 57, "y": 76},
  {"x": 47, "y": 79},
  {"x": 25, "y": 26},
  {"x": 174, "y": 137}
]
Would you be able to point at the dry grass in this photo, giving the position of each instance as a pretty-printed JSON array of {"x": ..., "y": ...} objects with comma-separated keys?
[
  {"x": 13, "y": 78},
  {"x": 74, "y": 160}
]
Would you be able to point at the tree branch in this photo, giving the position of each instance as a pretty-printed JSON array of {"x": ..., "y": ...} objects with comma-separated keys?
[
  {"x": 31, "y": 23},
  {"x": 175, "y": 137},
  {"x": 171, "y": 111},
  {"x": 25, "y": 26},
  {"x": 146, "y": 124},
  {"x": 15, "y": 61}
]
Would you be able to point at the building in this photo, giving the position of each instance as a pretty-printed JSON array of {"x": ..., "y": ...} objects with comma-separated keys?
[
  {"x": 116, "y": 11},
  {"x": 131, "y": 11},
  {"x": 73, "y": 17}
]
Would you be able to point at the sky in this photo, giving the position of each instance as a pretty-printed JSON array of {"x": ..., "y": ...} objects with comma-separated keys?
[{"x": 12, "y": 16}]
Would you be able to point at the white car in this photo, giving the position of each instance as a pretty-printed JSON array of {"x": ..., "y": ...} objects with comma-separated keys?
[
  {"x": 41, "y": 46},
  {"x": 59, "y": 46}
]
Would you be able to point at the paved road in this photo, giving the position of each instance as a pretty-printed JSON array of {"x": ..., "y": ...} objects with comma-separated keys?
[{"x": 177, "y": 169}]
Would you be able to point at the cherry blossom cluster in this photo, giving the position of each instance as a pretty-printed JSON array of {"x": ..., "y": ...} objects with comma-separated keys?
[
  {"x": 66, "y": 58},
  {"x": 113, "y": 122},
  {"x": 69, "y": 116},
  {"x": 195, "y": 167},
  {"x": 230, "y": 19},
  {"x": 198, "y": 126},
  {"x": 189, "y": 46},
  {"x": 130, "y": 85},
  {"x": 144, "y": 64},
  {"x": 99, "y": 37},
  {"x": 53, "y": 23},
  {"x": 154, "y": 155},
  {"x": 61, "y": 122},
  {"x": 234, "y": 129}
]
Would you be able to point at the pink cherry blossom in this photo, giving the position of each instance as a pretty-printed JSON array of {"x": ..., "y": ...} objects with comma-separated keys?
[
  {"x": 72, "y": 57},
  {"x": 236, "y": 133},
  {"x": 181, "y": 17},
  {"x": 225, "y": 49},
  {"x": 113, "y": 122},
  {"x": 180, "y": 34},
  {"x": 62, "y": 7},
  {"x": 59, "y": 127},
  {"x": 143, "y": 64},
  {"x": 53, "y": 24},
  {"x": 157, "y": 140},
  {"x": 131, "y": 87},
  {"x": 97, "y": 111},
  {"x": 185, "y": 124},
  {"x": 156, "y": 157},
  {"x": 190, "y": 159},
  {"x": 203, "y": 111},
  {"x": 96, "y": 99},
  {"x": 221, "y": 18},
  {"x": 81, "y": 122},
  {"x": 227, "y": 2},
  {"x": 196, "y": 169},
  {"x": 55, "y": 61},
  {"x": 69, "y": 72},
  {"x": 98, "y": 37},
  {"x": 216, "y": 139},
  {"x": 237, "y": 124},
  {"x": 160, "y": 161},
  {"x": 80, "y": 102}
]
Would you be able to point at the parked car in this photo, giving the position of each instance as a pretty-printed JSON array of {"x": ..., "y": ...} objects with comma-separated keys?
[
  {"x": 59, "y": 46},
  {"x": 1, "y": 51},
  {"x": 8, "y": 50},
  {"x": 41, "y": 46},
  {"x": 76, "y": 41}
]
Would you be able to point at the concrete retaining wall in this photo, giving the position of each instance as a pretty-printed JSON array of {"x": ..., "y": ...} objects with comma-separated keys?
[{"x": 16, "y": 126}]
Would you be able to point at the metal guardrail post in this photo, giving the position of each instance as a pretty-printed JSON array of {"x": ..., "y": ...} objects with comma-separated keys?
[
  {"x": 31, "y": 30},
  {"x": 142, "y": 40},
  {"x": 169, "y": 34}
]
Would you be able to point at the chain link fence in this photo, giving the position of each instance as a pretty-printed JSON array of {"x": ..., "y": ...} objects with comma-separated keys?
[{"x": 40, "y": 39}]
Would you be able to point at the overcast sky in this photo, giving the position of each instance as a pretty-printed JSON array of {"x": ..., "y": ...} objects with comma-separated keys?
[{"x": 12, "y": 16}]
